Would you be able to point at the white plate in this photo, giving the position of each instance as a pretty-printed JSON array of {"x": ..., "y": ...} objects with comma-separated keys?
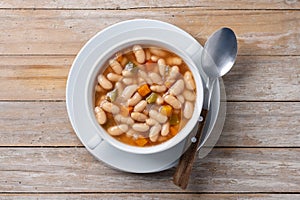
[{"x": 89, "y": 55}]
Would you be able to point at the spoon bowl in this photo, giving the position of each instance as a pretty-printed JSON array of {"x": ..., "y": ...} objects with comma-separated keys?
[{"x": 219, "y": 53}]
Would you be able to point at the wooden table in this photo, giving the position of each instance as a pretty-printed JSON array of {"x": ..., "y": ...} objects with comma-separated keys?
[{"x": 257, "y": 156}]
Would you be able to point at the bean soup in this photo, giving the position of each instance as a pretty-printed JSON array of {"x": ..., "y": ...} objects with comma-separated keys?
[{"x": 144, "y": 96}]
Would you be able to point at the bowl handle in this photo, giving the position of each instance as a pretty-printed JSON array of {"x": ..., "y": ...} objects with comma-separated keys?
[{"x": 94, "y": 142}]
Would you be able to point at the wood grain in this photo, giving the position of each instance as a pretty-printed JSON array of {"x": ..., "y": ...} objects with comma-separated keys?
[
  {"x": 137, "y": 196},
  {"x": 123, "y": 4},
  {"x": 252, "y": 78},
  {"x": 264, "y": 78},
  {"x": 259, "y": 32},
  {"x": 248, "y": 124},
  {"x": 261, "y": 124},
  {"x": 36, "y": 124},
  {"x": 34, "y": 77},
  {"x": 75, "y": 170}
]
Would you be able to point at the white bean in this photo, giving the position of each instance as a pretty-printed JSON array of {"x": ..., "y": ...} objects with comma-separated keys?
[
  {"x": 130, "y": 133},
  {"x": 140, "y": 106},
  {"x": 161, "y": 66},
  {"x": 162, "y": 139},
  {"x": 158, "y": 52},
  {"x": 141, "y": 81},
  {"x": 165, "y": 129},
  {"x": 144, "y": 75},
  {"x": 172, "y": 76},
  {"x": 114, "y": 77},
  {"x": 147, "y": 54},
  {"x": 98, "y": 88},
  {"x": 174, "y": 61},
  {"x": 189, "y": 81},
  {"x": 140, "y": 117},
  {"x": 116, "y": 66},
  {"x": 104, "y": 83},
  {"x": 177, "y": 87},
  {"x": 140, "y": 127},
  {"x": 99, "y": 100},
  {"x": 154, "y": 132},
  {"x": 123, "y": 120},
  {"x": 127, "y": 73},
  {"x": 127, "y": 81},
  {"x": 149, "y": 81},
  {"x": 154, "y": 58},
  {"x": 158, "y": 88},
  {"x": 124, "y": 61},
  {"x": 158, "y": 116},
  {"x": 173, "y": 101},
  {"x": 129, "y": 91},
  {"x": 146, "y": 112},
  {"x": 189, "y": 95},
  {"x": 100, "y": 115},
  {"x": 155, "y": 78},
  {"x": 139, "y": 53},
  {"x": 169, "y": 82},
  {"x": 117, "y": 130},
  {"x": 174, "y": 72},
  {"x": 159, "y": 100},
  {"x": 119, "y": 87},
  {"x": 151, "y": 122},
  {"x": 134, "y": 99},
  {"x": 180, "y": 98},
  {"x": 110, "y": 107},
  {"x": 188, "y": 110}
]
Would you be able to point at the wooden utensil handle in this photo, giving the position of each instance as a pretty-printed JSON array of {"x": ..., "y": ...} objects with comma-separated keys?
[{"x": 184, "y": 167}]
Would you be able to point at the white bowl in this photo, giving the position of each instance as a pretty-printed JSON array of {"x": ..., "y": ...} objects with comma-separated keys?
[{"x": 112, "y": 45}]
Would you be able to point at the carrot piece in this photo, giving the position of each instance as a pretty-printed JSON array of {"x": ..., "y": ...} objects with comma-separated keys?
[
  {"x": 141, "y": 142},
  {"x": 144, "y": 90},
  {"x": 173, "y": 131}
]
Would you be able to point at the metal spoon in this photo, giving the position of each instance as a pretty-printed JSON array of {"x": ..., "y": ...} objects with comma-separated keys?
[{"x": 217, "y": 59}]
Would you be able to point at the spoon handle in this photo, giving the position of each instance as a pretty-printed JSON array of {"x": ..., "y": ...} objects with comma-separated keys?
[{"x": 184, "y": 167}]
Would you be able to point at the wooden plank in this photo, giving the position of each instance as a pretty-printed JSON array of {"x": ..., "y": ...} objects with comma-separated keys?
[
  {"x": 75, "y": 170},
  {"x": 34, "y": 78},
  {"x": 35, "y": 124},
  {"x": 259, "y": 32},
  {"x": 262, "y": 78},
  {"x": 134, "y": 196},
  {"x": 41, "y": 77},
  {"x": 261, "y": 124},
  {"x": 248, "y": 124},
  {"x": 123, "y": 4}
]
